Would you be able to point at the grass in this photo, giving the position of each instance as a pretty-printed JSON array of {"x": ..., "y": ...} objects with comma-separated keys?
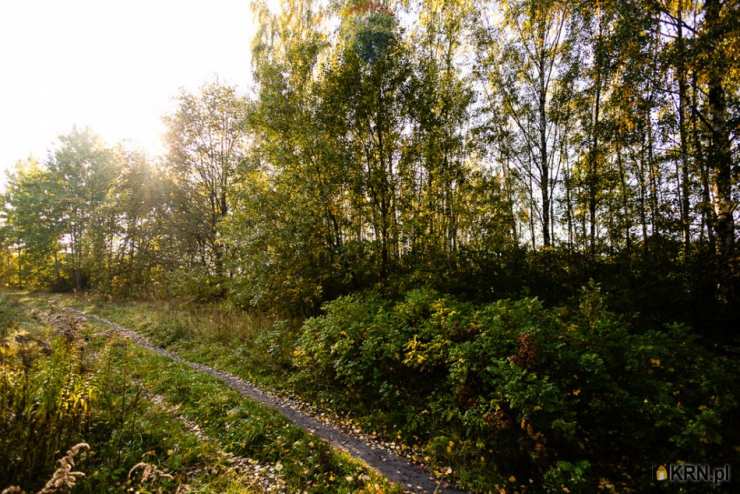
[
  {"x": 133, "y": 429},
  {"x": 81, "y": 391},
  {"x": 254, "y": 347},
  {"x": 257, "y": 348},
  {"x": 249, "y": 429}
]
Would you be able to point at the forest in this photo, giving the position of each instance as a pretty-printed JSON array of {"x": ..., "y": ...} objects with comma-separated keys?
[{"x": 500, "y": 234}]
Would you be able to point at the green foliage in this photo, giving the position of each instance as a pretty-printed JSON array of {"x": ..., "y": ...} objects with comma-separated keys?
[
  {"x": 372, "y": 33},
  {"x": 418, "y": 144},
  {"x": 195, "y": 283},
  {"x": 277, "y": 342},
  {"x": 504, "y": 153},
  {"x": 539, "y": 393},
  {"x": 9, "y": 312},
  {"x": 46, "y": 406},
  {"x": 102, "y": 388},
  {"x": 58, "y": 395},
  {"x": 572, "y": 476},
  {"x": 33, "y": 220}
]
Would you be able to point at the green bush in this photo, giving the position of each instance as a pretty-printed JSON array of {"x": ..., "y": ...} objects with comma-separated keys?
[
  {"x": 513, "y": 391},
  {"x": 193, "y": 284}
]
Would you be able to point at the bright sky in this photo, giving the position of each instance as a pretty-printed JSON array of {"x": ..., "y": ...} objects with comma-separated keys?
[{"x": 112, "y": 65}]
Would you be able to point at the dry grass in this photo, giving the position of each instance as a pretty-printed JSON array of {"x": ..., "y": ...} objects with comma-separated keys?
[
  {"x": 64, "y": 477},
  {"x": 145, "y": 473},
  {"x": 220, "y": 324}
]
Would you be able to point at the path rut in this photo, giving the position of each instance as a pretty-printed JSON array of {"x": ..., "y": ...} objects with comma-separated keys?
[{"x": 395, "y": 468}]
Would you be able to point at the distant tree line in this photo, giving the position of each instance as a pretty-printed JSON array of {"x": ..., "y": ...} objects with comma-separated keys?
[{"x": 485, "y": 148}]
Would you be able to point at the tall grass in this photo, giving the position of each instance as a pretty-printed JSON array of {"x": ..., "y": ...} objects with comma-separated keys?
[
  {"x": 45, "y": 405},
  {"x": 256, "y": 342},
  {"x": 214, "y": 323},
  {"x": 56, "y": 394},
  {"x": 8, "y": 316}
]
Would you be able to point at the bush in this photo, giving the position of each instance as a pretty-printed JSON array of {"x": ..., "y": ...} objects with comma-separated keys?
[
  {"x": 564, "y": 397},
  {"x": 194, "y": 284}
]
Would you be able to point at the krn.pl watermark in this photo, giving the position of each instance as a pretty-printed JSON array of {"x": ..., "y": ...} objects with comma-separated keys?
[{"x": 692, "y": 472}]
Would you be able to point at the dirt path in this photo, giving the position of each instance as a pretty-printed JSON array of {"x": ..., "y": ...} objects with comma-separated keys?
[{"x": 397, "y": 469}]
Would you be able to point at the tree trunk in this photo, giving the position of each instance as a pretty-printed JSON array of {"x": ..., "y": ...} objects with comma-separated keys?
[
  {"x": 719, "y": 153},
  {"x": 707, "y": 213},
  {"x": 625, "y": 207},
  {"x": 531, "y": 213},
  {"x": 544, "y": 166},
  {"x": 594, "y": 154},
  {"x": 681, "y": 74}
]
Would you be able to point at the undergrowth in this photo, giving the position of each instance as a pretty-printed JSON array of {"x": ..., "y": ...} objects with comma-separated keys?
[
  {"x": 61, "y": 389},
  {"x": 58, "y": 391},
  {"x": 512, "y": 395}
]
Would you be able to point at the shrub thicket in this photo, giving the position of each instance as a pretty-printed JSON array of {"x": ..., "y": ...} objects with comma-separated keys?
[{"x": 516, "y": 392}]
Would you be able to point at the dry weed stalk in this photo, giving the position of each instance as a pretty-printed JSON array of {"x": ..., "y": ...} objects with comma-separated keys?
[
  {"x": 149, "y": 473},
  {"x": 13, "y": 489},
  {"x": 64, "y": 478}
]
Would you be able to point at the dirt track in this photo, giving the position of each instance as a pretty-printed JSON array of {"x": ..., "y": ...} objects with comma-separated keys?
[{"x": 411, "y": 477}]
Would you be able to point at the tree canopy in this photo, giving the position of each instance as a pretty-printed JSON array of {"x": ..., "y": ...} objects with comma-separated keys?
[{"x": 479, "y": 147}]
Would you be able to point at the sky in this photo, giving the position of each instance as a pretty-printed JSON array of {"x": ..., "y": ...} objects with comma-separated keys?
[{"x": 112, "y": 65}]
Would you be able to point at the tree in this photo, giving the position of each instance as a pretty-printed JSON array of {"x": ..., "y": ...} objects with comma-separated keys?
[
  {"x": 207, "y": 140},
  {"x": 534, "y": 54},
  {"x": 719, "y": 31},
  {"x": 84, "y": 169},
  {"x": 390, "y": 144},
  {"x": 33, "y": 223}
]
